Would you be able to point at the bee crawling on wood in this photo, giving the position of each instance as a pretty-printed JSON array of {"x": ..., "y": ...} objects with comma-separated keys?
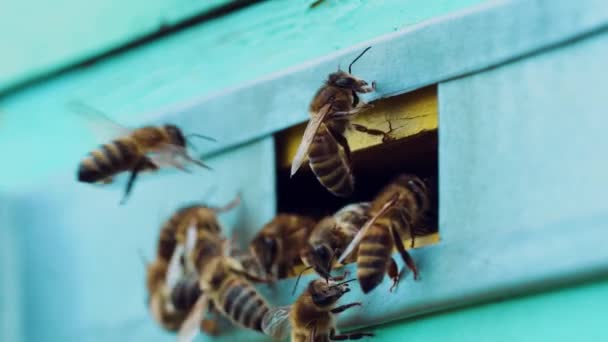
[
  {"x": 395, "y": 213},
  {"x": 147, "y": 148},
  {"x": 331, "y": 109},
  {"x": 312, "y": 316}
]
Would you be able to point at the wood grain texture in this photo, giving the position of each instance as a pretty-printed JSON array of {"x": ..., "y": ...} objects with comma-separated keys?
[
  {"x": 39, "y": 37},
  {"x": 408, "y": 115}
]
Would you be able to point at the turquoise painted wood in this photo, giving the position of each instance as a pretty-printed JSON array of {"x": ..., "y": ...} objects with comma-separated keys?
[
  {"x": 515, "y": 180},
  {"x": 79, "y": 276},
  {"x": 571, "y": 314},
  {"x": 130, "y": 88},
  {"x": 40, "y": 37}
]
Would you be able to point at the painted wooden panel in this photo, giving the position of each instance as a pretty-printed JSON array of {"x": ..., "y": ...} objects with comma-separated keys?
[
  {"x": 226, "y": 52},
  {"x": 39, "y": 37},
  {"x": 512, "y": 188},
  {"x": 79, "y": 250},
  {"x": 132, "y": 84},
  {"x": 570, "y": 314}
]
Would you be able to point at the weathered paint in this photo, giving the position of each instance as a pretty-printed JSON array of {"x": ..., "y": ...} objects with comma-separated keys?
[{"x": 39, "y": 37}]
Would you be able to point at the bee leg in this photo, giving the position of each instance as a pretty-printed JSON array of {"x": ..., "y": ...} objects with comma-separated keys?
[
  {"x": 342, "y": 141},
  {"x": 210, "y": 327},
  {"x": 142, "y": 164},
  {"x": 386, "y": 137},
  {"x": 344, "y": 307},
  {"x": 407, "y": 258},
  {"x": 341, "y": 277},
  {"x": 393, "y": 273},
  {"x": 353, "y": 336}
]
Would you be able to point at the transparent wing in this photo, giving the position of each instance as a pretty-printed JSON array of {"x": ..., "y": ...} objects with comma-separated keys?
[
  {"x": 309, "y": 133},
  {"x": 364, "y": 229},
  {"x": 275, "y": 323},
  {"x": 188, "y": 330},
  {"x": 175, "y": 269},
  {"x": 101, "y": 126},
  {"x": 168, "y": 155}
]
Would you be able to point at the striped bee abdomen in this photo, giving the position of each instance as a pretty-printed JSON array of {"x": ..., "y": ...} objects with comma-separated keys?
[
  {"x": 329, "y": 164},
  {"x": 242, "y": 304},
  {"x": 108, "y": 160},
  {"x": 374, "y": 255}
]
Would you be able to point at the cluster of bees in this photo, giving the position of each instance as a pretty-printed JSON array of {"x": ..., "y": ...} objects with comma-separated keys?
[{"x": 198, "y": 273}]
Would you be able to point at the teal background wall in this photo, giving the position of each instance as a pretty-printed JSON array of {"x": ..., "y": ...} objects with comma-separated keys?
[{"x": 528, "y": 130}]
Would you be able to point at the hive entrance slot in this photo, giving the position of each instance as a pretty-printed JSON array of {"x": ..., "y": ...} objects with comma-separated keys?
[{"x": 412, "y": 117}]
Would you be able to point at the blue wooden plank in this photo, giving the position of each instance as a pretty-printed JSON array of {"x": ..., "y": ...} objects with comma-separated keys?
[
  {"x": 144, "y": 81},
  {"x": 40, "y": 37},
  {"x": 79, "y": 249}
]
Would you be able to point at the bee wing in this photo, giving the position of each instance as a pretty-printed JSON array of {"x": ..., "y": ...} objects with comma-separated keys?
[
  {"x": 104, "y": 128},
  {"x": 189, "y": 328},
  {"x": 309, "y": 134},
  {"x": 275, "y": 323},
  {"x": 169, "y": 155},
  {"x": 175, "y": 270},
  {"x": 364, "y": 229}
]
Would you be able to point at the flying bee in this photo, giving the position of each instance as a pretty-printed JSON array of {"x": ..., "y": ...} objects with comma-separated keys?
[
  {"x": 277, "y": 246},
  {"x": 331, "y": 236},
  {"x": 312, "y": 316},
  {"x": 395, "y": 212},
  {"x": 147, "y": 148},
  {"x": 331, "y": 109}
]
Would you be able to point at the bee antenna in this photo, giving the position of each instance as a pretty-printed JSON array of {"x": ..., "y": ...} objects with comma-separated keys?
[
  {"x": 196, "y": 135},
  {"x": 230, "y": 205},
  {"x": 298, "y": 280},
  {"x": 344, "y": 282},
  {"x": 356, "y": 59}
]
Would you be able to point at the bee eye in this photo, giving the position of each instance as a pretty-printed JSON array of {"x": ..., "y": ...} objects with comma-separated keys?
[{"x": 344, "y": 82}]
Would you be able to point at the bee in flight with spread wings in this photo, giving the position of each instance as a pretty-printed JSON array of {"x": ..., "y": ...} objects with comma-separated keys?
[
  {"x": 312, "y": 316},
  {"x": 331, "y": 109},
  {"x": 136, "y": 150}
]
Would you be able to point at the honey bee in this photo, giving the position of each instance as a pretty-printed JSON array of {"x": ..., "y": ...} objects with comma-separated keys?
[
  {"x": 312, "y": 316},
  {"x": 192, "y": 235},
  {"x": 199, "y": 216},
  {"x": 323, "y": 141},
  {"x": 277, "y": 246},
  {"x": 136, "y": 150},
  {"x": 225, "y": 285},
  {"x": 332, "y": 235},
  {"x": 395, "y": 211}
]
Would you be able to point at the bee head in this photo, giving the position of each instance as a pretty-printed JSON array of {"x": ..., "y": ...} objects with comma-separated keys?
[
  {"x": 343, "y": 79},
  {"x": 265, "y": 249},
  {"x": 326, "y": 293},
  {"x": 319, "y": 258},
  {"x": 175, "y": 135}
]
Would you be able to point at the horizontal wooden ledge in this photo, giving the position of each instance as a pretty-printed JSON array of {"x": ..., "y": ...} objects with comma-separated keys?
[{"x": 408, "y": 115}]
